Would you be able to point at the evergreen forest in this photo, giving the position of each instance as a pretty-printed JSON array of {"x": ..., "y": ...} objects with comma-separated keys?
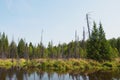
[{"x": 96, "y": 47}]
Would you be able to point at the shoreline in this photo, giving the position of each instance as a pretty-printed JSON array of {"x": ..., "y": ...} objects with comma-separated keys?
[{"x": 60, "y": 64}]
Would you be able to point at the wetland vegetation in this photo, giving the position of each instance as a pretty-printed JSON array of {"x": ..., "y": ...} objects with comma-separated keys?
[{"x": 80, "y": 56}]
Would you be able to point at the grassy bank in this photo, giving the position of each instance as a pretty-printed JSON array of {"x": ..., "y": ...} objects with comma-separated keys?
[{"x": 60, "y": 64}]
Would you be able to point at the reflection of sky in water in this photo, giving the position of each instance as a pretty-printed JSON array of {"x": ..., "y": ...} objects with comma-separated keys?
[
  {"x": 54, "y": 76},
  {"x": 48, "y": 76},
  {"x": 31, "y": 75},
  {"x": 13, "y": 77}
]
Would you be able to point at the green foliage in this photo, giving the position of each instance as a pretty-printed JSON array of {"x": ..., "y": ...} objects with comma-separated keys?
[
  {"x": 31, "y": 64},
  {"x": 60, "y": 64},
  {"x": 40, "y": 51},
  {"x": 50, "y": 49},
  {"x": 31, "y": 53},
  {"x": 113, "y": 42},
  {"x": 13, "y": 50},
  {"x": 118, "y": 45},
  {"x": 21, "y": 48},
  {"x": 98, "y": 47},
  {"x": 5, "y": 64},
  {"x": 4, "y": 46},
  {"x": 93, "y": 44},
  {"x": 110, "y": 65}
]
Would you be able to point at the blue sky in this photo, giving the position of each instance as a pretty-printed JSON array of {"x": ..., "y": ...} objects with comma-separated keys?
[{"x": 58, "y": 18}]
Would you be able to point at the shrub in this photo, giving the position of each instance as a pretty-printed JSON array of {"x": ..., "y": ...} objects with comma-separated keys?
[{"x": 109, "y": 64}]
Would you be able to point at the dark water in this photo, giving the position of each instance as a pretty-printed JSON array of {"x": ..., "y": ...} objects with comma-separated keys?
[{"x": 13, "y": 74}]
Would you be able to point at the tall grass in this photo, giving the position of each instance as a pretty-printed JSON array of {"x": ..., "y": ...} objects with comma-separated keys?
[{"x": 59, "y": 64}]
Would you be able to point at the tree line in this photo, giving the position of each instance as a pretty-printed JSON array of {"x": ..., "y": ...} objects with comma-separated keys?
[{"x": 95, "y": 47}]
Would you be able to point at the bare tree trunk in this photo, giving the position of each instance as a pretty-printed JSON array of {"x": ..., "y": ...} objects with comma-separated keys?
[{"x": 88, "y": 25}]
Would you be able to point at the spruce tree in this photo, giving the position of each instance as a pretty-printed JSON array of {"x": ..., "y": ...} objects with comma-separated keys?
[
  {"x": 13, "y": 50},
  {"x": 98, "y": 47},
  {"x": 4, "y": 45},
  {"x": 31, "y": 47},
  {"x": 21, "y": 48},
  {"x": 118, "y": 45},
  {"x": 93, "y": 44},
  {"x": 105, "y": 48}
]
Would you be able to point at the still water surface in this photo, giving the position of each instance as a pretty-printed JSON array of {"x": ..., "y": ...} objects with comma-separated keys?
[{"x": 13, "y": 74}]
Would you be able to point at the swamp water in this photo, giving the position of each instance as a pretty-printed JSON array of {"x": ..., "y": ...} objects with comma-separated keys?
[{"x": 13, "y": 74}]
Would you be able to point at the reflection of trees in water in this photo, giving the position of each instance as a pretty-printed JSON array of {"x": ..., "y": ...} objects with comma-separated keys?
[
  {"x": 13, "y": 74},
  {"x": 3, "y": 74},
  {"x": 104, "y": 76},
  {"x": 10, "y": 73},
  {"x": 61, "y": 76},
  {"x": 34, "y": 75},
  {"x": 78, "y": 76},
  {"x": 50, "y": 76},
  {"x": 117, "y": 75},
  {"x": 40, "y": 74},
  {"x": 99, "y": 76},
  {"x": 83, "y": 77},
  {"x": 26, "y": 75},
  {"x": 19, "y": 75}
]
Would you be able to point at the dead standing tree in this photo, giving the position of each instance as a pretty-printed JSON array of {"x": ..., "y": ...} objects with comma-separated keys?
[
  {"x": 88, "y": 24},
  {"x": 76, "y": 50},
  {"x": 41, "y": 43}
]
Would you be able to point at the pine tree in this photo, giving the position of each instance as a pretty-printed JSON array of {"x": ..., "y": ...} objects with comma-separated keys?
[
  {"x": 13, "y": 50},
  {"x": 30, "y": 50},
  {"x": 98, "y": 47},
  {"x": 105, "y": 48},
  {"x": 93, "y": 44},
  {"x": 113, "y": 42},
  {"x": 21, "y": 48},
  {"x": 50, "y": 50},
  {"x": 4, "y": 45},
  {"x": 118, "y": 45}
]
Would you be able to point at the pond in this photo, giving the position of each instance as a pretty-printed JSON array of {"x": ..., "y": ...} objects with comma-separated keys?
[{"x": 13, "y": 74}]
